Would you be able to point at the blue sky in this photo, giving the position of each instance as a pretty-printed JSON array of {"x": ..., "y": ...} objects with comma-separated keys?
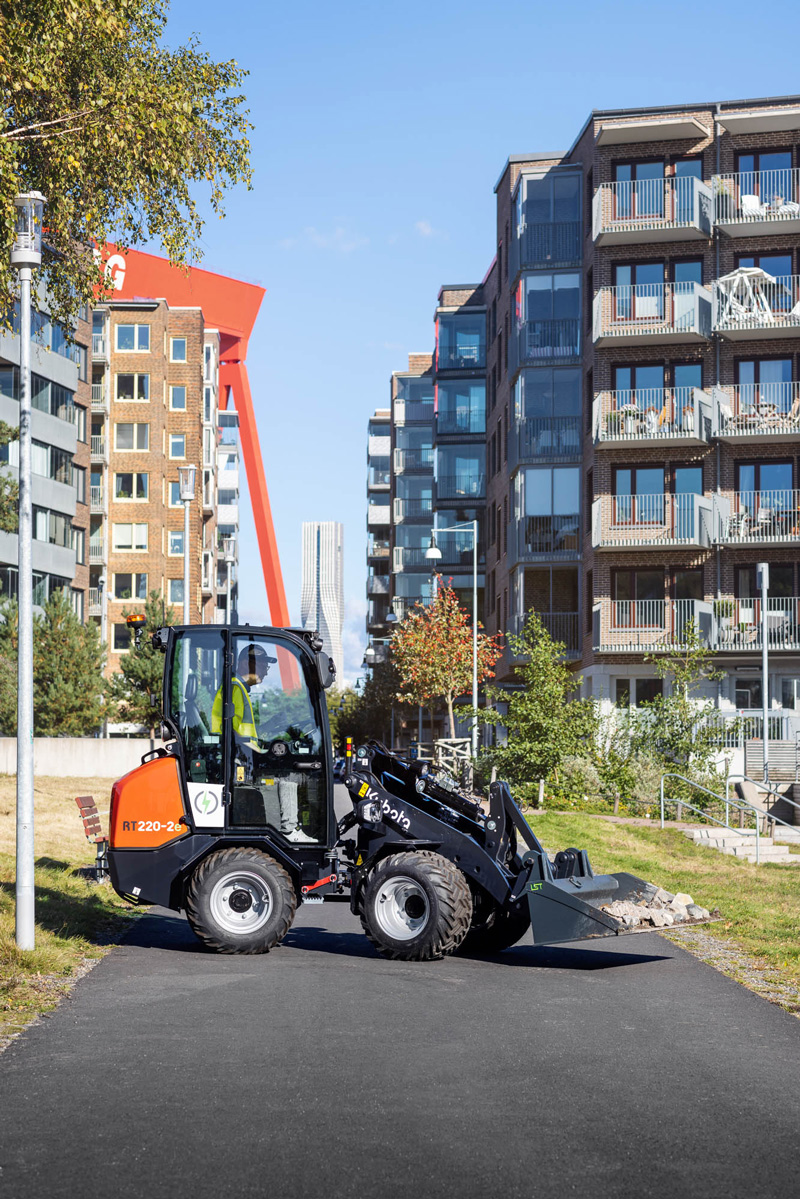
[{"x": 380, "y": 131}]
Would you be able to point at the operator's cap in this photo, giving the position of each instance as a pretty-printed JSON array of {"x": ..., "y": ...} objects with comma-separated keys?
[{"x": 256, "y": 653}]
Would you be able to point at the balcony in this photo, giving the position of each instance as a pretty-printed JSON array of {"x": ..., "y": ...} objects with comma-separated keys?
[
  {"x": 749, "y": 304},
  {"x": 539, "y": 245},
  {"x": 98, "y": 448},
  {"x": 461, "y": 487},
  {"x": 378, "y": 585},
  {"x": 97, "y": 551},
  {"x": 413, "y": 510},
  {"x": 99, "y": 347},
  {"x": 657, "y": 521},
  {"x": 649, "y": 626},
  {"x": 413, "y": 412},
  {"x": 462, "y": 358},
  {"x": 407, "y": 557},
  {"x": 757, "y": 203},
  {"x": 403, "y": 604},
  {"x": 378, "y": 549},
  {"x": 655, "y": 313},
  {"x": 99, "y": 397},
  {"x": 378, "y": 514},
  {"x": 739, "y": 625},
  {"x": 757, "y": 412},
  {"x": 542, "y": 538},
  {"x": 378, "y": 480},
  {"x": 673, "y": 208},
  {"x": 540, "y": 438},
  {"x": 96, "y": 501},
  {"x": 562, "y": 626},
  {"x": 376, "y": 653},
  {"x": 546, "y": 342},
  {"x": 758, "y": 517},
  {"x": 652, "y": 416},
  {"x": 413, "y": 461}
]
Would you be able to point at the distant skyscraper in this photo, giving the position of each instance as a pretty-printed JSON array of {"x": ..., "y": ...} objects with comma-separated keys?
[{"x": 322, "y": 597}]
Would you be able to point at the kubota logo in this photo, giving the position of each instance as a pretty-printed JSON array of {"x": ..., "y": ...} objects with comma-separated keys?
[{"x": 206, "y": 803}]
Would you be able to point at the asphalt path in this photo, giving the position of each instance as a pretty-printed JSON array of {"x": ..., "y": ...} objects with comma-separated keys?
[{"x": 621, "y": 1069}]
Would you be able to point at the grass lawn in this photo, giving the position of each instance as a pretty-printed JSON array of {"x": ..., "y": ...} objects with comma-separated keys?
[
  {"x": 75, "y": 918},
  {"x": 760, "y": 905}
]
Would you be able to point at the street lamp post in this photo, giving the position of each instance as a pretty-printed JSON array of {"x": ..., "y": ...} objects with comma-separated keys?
[
  {"x": 762, "y": 580},
  {"x": 229, "y": 551},
  {"x": 186, "y": 485},
  {"x": 434, "y": 554},
  {"x": 26, "y": 253}
]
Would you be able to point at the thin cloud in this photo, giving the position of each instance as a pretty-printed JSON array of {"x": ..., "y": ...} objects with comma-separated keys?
[
  {"x": 340, "y": 240},
  {"x": 425, "y": 229}
]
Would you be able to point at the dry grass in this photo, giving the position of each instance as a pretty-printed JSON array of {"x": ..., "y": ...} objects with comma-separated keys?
[{"x": 76, "y": 920}]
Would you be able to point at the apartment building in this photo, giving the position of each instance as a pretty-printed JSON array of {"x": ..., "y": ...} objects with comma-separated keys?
[
  {"x": 379, "y": 443},
  {"x": 411, "y": 480},
  {"x": 60, "y": 453},
  {"x": 155, "y": 409}
]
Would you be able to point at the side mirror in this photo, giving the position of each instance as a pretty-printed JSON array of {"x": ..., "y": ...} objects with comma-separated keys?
[{"x": 326, "y": 669}]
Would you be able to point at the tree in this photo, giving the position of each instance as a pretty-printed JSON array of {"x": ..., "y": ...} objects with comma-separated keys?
[
  {"x": 114, "y": 129},
  {"x": 544, "y": 720},
  {"x": 136, "y": 689},
  {"x": 432, "y": 651},
  {"x": 68, "y": 661},
  {"x": 9, "y": 491}
]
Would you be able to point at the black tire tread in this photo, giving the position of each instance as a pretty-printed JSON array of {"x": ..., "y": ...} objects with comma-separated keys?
[
  {"x": 232, "y": 857},
  {"x": 455, "y": 905},
  {"x": 501, "y": 930}
]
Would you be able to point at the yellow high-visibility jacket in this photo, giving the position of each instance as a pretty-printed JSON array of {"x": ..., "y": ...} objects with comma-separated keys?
[{"x": 244, "y": 724}]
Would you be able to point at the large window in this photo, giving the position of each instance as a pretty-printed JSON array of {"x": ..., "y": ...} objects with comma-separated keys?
[
  {"x": 462, "y": 341},
  {"x": 129, "y": 436},
  {"x": 414, "y": 399},
  {"x": 462, "y": 407},
  {"x": 133, "y": 388},
  {"x": 460, "y": 471},
  {"x": 768, "y": 175},
  {"x": 548, "y": 307},
  {"x": 131, "y": 485},
  {"x": 52, "y": 527},
  {"x": 129, "y": 537},
  {"x": 133, "y": 337},
  {"x": 764, "y": 386},
  {"x": 548, "y": 211},
  {"x": 130, "y": 586},
  {"x": 548, "y": 503}
]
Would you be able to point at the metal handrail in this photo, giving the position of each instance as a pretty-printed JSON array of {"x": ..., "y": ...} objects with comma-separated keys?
[
  {"x": 743, "y": 778},
  {"x": 705, "y": 815}
]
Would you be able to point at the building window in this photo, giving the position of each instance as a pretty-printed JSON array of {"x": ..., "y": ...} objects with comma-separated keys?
[
  {"x": 79, "y": 475},
  {"x": 175, "y": 500},
  {"x": 207, "y": 404},
  {"x": 648, "y": 690},
  {"x": 175, "y": 542},
  {"x": 462, "y": 341},
  {"x": 131, "y": 436},
  {"x": 129, "y": 537},
  {"x": 175, "y": 592},
  {"x": 122, "y": 638},
  {"x": 79, "y": 545},
  {"x": 80, "y": 422},
  {"x": 177, "y": 349},
  {"x": 131, "y": 486},
  {"x": 462, "y": 407},
  {"x": 133, "y": 337},
  {"x": 130, "y": 586},
  {"x": 177, "y": 445},
  {"x": 133, "y": 389},
  {"x": 177, "y": 398}
]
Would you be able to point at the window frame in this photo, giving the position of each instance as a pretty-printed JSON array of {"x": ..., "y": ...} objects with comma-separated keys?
[
  {"x": 177, "y": 457},
  {"x": 172, "y": 342},
  {"x": 137, "y": 326},
  {"x": 136, "y": 376}
]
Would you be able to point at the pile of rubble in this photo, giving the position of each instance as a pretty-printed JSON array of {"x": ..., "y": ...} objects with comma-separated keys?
[{"x": 660, "y": 910}]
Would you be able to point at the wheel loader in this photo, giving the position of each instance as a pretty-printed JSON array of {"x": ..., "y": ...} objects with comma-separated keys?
[{"x": 233, "y": 822}]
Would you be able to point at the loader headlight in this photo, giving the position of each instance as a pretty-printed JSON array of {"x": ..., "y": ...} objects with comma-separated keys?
[{"x": 370, "y": 811}]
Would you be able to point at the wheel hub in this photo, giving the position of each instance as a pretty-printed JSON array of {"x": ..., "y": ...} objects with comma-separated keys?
[
  {"x": 401, "y": 908},
  {"x": 241, "y": 901}
]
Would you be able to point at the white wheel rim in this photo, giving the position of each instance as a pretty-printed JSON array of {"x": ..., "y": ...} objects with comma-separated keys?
[
  {"x": 241, "y": 902},
  {"x": 401, "y": 908}
]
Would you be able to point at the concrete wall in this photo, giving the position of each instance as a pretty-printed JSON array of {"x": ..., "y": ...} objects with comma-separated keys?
[{"x": 79, "y": 757}]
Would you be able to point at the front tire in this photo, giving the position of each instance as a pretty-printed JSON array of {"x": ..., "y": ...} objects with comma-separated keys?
[
  {"x": 416, "y": 906},
  {"x": 240, "y": 901},
  {"x": 494, "y": 928}
]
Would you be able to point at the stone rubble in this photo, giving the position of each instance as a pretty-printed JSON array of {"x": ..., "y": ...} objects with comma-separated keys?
[{"x": 662, "y": 911}]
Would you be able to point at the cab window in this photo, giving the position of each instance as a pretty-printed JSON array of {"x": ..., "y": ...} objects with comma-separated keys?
[{"x": 195, "y": 683}]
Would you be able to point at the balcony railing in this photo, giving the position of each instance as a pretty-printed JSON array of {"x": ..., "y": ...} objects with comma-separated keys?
[
  {"x": 407, "y": 557},
  {"x": 739, "y": 625},
  {"x": 658, "y": 313},
  {"x": 98, "y": 447},
  {"x": 468, "y": 357},
  {"x": 378, "y": 585},
  {"x": 99, "y": 348},
  {"x": 96, "y": 498},
  {"x": 99, "y": 397},
  {"x": 546, "y": 341},
  {"x": 403, "y": 604},
  {"x": 628, "y": 521},
  {"x": 545, "y": 437},
  {"x": 378, "y": 478},
  {"x": 95, "y": 606},
  {"x": 463, "y": 421},
  {"x": 97, "y": 550},
  {"x": 759, "y": 517},
  {"x": 542, "y": 537},
  {"x": 378, "y": 549},
  {"x": 413, "y": 412},
  {"x": 413, "y": 460},
  {"x": 562, "y": 626},
  {"x": 413, "y": 509},
  {"x": 652, "y": 415},
  {"x": 552, "y": 244},
  {"x": 672, "y": 208},
  {"x": 758, "y": 411},
  {"x": 630, "y": 626},
  {"x": 755, "y": 306},
  {"x": 461, "y": 487},
  {"x": 378, "y": 514},
  {"x": 748, "y": 203}
]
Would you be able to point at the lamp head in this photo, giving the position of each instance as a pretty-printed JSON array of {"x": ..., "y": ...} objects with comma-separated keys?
[
  {"x": 187, "y": 477},
  {"x": 26, "y": 249}
]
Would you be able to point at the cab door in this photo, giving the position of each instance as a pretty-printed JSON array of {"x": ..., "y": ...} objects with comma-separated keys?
[{"x": 193, "y": 703}]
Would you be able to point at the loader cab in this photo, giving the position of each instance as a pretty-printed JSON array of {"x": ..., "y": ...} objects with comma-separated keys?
[{"x": 247, "y": 707}]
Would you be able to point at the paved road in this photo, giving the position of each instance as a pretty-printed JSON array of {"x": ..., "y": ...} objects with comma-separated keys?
[{"x": 621, "y": 1070}]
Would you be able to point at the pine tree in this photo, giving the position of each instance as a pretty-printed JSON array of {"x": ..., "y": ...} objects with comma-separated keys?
[{"x": 136, "y": 689}]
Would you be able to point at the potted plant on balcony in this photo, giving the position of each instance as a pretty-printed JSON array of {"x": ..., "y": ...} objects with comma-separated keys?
[
  {"x": 630, "y": 415},
  {"x": 723, "y": 613},
  {"x": 614, "y": 423}
]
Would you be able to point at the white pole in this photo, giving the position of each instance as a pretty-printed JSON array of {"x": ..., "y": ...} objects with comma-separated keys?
[
  {"x": 475, "y": 638},
  {"x": 230, "y": 576},
  {"x": 187, "y": 618},
  {"x": 25, "y": 894},
  {"x": 763, "y": 568}
]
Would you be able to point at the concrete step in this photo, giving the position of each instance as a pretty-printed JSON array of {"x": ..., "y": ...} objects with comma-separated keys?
[
  {"x": 790, "y": 836},
  {"x": 740, "y": 843}
]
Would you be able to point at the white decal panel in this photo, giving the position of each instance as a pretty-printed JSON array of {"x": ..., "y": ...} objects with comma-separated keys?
[{"x": 206, "y": 802}]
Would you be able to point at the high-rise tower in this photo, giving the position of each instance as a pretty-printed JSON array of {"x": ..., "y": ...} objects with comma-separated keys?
[{"x": 322, "y": 596}]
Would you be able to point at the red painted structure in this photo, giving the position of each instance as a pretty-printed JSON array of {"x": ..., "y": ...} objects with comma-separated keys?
[{"x": 231, "y": 307}]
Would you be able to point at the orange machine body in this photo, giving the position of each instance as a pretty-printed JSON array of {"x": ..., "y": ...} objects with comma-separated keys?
[{"x": 147, "y": 806}]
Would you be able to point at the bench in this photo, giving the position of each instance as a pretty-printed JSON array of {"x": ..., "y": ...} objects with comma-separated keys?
[{"x": 94, "y": 833}]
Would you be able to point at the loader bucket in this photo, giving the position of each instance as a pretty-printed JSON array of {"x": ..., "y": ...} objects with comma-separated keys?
[{"x": 568, "y": 909}]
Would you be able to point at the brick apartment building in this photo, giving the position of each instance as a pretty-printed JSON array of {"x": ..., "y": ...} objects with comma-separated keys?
[
  {"x": 642, "y": 396},
  {"x": 155, "y": 409}
]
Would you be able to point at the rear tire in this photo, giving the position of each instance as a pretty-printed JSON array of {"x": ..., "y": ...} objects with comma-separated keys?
[
  {"x": 240, "y": 901},
  {"x": 493, "y": 928},
  {"x": 416, "y": 906}
]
